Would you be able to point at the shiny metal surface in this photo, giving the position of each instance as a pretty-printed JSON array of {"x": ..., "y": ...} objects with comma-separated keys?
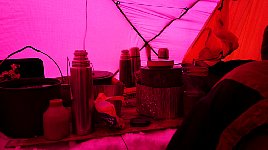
[{"x": 82, "y": 92}]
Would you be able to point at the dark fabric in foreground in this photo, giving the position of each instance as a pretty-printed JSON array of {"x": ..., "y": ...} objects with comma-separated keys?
[
  {"x": 204, "y": 125},
  {"x": 221, "y": 68},
  {"x": 264, "y": 46},
  {"x": 257, "y": 139}
]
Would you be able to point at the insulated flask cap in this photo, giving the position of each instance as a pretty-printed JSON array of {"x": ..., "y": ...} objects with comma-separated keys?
[
  {"x": 80, "y": 59},
  {"x": 125, "y": 55},
  {"x": 134, "y": 52}
]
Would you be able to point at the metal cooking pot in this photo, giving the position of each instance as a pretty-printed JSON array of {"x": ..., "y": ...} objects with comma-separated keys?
[{"x": 22, "y": 103}]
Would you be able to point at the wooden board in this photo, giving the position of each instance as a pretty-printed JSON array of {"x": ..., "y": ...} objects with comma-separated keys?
[{"x": 128, "y": 112}]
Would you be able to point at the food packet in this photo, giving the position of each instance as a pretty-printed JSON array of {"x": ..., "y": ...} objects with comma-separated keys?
[{"x": 107, "y": 111}]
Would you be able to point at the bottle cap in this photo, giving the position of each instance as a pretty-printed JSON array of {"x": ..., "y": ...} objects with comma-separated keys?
[{"x": 55, "y": 102}]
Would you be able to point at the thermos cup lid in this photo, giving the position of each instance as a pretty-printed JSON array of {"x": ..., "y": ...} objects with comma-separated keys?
[
  {"x": 80, "y": 58},
  {"x": 125, "y": 55},
  {"x": 134, "y": 51}
]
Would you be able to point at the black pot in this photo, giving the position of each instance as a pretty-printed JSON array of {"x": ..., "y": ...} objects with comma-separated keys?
[
  {"x": 22, "y": 103},
  {"x": 102, "y": 77}
]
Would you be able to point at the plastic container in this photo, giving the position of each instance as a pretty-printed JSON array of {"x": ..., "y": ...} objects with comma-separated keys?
[
  {"x": 56, "y": 120},
  {"x": 163, "y": 53}
]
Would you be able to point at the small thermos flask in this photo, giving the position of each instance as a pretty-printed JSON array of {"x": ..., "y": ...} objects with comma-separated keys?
[
  {"x": 125, "y": 75},
  {"x": 56, "y": 120},
  {"x": 135, "y": 62},
  {"x": 82, "y": 92}
]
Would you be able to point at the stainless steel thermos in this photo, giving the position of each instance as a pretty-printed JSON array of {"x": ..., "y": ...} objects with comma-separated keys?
[
  {"x": 82, "y": 92},
  {"x": 135, "y": 62},
  {"x": 125, "y": 75}
]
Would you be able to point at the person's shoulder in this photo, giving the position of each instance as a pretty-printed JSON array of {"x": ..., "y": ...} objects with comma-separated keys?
[
  {"x": 254, "y": 65},
  {"x": 250, "y": 72}
]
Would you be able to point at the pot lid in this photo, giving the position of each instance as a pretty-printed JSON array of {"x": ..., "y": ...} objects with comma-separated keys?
[{"x": 98, "y": 75}]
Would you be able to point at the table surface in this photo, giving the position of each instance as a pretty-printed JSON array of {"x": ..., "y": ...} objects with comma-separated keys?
[{"x": 129, "y": 132}]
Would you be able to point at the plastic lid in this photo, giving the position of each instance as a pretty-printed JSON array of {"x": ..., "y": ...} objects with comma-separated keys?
[
  {"x": 195, "y": 71},
  {"x": 163, "y": 53},
  {"x": 162, "y": 63},
  {"x": 55, "y": 102}
]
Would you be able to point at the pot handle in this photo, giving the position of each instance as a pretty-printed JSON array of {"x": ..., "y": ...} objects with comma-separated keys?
[{"x": 37, "y": 50}]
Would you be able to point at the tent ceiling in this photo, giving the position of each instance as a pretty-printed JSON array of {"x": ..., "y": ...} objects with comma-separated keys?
[{"x": 58, "y": 28}]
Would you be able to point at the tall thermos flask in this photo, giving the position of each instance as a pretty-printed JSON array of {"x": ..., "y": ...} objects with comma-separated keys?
[
  {"x": 125, "y": 75},
  {"x": 135, "y": 62},
  {"x": 82, "y": 92}
]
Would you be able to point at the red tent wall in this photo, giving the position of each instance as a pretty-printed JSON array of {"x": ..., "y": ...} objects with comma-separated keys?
[{"x": 246, "y": 19}]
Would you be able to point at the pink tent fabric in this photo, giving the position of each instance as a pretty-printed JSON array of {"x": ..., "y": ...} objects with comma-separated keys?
[{"x": 58, "y": 28}]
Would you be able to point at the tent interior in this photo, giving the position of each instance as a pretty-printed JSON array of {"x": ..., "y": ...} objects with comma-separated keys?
[
  {"x": 59, "y": 28},
  {"x": 209, "y": 31}
]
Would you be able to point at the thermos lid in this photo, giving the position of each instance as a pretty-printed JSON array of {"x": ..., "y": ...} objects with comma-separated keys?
[
  {"x": 125, "y": 55},
  {"x": 80, "y": 58},
  {"x": 80, "y": 52},
  {"x": 97, "y": 74},
  {"x": 134, "y": 51}
]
